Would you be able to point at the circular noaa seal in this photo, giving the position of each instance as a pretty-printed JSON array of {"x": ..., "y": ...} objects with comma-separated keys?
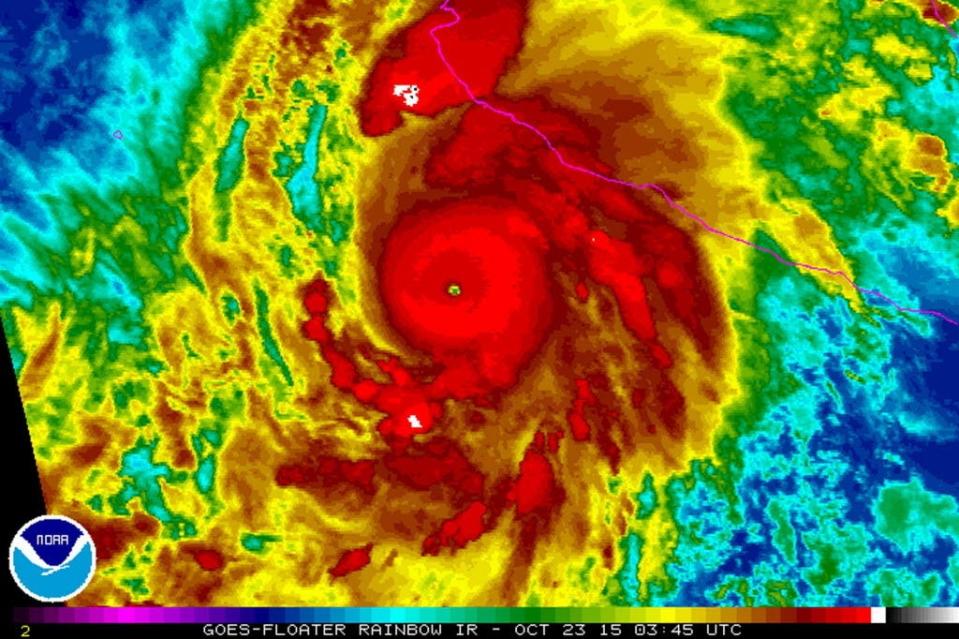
[{"x": 52, "y": 558}]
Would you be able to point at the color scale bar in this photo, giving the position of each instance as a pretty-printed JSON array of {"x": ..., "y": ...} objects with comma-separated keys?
[{"x": 460, "y": 615}]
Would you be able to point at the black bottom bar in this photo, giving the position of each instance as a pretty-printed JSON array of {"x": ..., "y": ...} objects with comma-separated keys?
[{"x": 483, "y": 631}]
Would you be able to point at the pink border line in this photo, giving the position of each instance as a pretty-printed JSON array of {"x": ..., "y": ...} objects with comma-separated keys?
[
  {"x": 935, "y": 11},
  {"x": 649, "y": 185}
]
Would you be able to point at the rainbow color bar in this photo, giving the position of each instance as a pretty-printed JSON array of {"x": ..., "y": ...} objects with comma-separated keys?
[{"x": 156, "y": 615}]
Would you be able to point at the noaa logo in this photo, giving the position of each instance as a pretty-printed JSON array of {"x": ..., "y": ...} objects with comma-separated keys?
[{"x": 52, "y": 558}]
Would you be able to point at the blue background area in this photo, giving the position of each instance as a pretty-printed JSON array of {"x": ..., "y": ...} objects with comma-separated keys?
[
  {"x": 59, "y": 584},
  {"x": 53, "y": 555}
]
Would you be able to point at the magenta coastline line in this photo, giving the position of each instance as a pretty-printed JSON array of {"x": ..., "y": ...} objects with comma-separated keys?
[
  {"x": 649, "y": 185},
  {"x": 935, "y": 11}
]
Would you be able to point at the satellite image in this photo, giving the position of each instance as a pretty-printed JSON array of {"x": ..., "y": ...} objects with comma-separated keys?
[{"x": 489, "y": 302}]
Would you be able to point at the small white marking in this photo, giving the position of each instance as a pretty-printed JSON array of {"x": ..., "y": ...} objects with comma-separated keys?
[
  {"x": 409, "y": 92},
  {"x": 414, "y": 421}
]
